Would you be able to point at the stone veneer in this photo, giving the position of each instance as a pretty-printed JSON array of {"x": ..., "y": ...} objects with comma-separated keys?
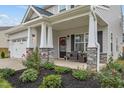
[
  {"x": 29, "y": 50},
  {"x": 103, "y": 57},
  {"x": 46, "y": 54},
  {"x": 91, "y": 58}
]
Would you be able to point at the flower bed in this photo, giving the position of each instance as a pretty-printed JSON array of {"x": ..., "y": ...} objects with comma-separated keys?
[{"x": 68, "y": 81}]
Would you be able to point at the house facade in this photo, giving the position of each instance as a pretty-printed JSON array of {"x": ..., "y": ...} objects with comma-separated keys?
[
  {"x": 63, "y": 29},
  {"x": 4, "y": 40}
]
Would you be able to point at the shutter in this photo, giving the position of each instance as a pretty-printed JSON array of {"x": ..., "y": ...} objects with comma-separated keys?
[
  {"x": 72, "y": 42},
  {"x": 100, "y": 40}
]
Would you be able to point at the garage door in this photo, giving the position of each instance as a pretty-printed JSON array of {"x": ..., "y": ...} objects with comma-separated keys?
[{"x": 18, "y": 48}]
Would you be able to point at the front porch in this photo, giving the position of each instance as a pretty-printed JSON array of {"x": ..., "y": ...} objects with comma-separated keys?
[{"x": 64, "y": 35}]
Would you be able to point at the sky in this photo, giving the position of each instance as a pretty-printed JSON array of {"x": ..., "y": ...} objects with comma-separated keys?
[{"x": 11, "y": 15}]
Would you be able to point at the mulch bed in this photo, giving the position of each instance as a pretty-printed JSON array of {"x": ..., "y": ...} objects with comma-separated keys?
[{"x": 67, "y": 81}]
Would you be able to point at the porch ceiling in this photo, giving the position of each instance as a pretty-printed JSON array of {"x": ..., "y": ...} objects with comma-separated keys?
[
  {"x": 77, "y": 22},
  {"x": 73, "y": 23}
]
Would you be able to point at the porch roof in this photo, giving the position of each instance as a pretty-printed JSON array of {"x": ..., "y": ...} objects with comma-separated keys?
[{"x": 77, "y": 16}]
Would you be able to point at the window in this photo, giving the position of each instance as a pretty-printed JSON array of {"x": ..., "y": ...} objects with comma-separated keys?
[
  {"x": 24, "y": 39},
  {"x": 123, "y": 37},
  {"x": 62, "y": 8},
  {"x": 81, "y": 42},
  {"x": 72, "y": 6},
  {"x": 111, "y": 44}
]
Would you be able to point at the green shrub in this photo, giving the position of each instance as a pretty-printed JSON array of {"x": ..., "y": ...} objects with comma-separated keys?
[
  {"x": 4, "y": 84},
  {"x": 80, "y": 74},
  {"x": 48, "y": 65},
  {"x": 118, "y": 67},
  {"x": 33, "y": 60},
  {"x": 6, "y": 72},
  {"x": 61, "y": 70},
  {"x": 111, "y": 79},
  {"x": 51, "y": 81},
  {"x": 29, "y": 75},
  {"x": 2, "y": 55}
]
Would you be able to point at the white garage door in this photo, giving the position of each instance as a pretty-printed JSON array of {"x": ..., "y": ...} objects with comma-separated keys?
[{"x": 18, "y": 48}]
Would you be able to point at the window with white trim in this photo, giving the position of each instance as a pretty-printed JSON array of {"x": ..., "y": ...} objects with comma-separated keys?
[
  {"x": 62, "y": 8},
  {"x": 81, "y": 42}
]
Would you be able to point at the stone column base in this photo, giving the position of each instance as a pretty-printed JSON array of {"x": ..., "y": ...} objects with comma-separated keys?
[
  {"x": 103, "y": 58},
  {"x": 29, "y": 51},
  {"x": 92, "y": 58},
  {"x": 46, "y": 54}
]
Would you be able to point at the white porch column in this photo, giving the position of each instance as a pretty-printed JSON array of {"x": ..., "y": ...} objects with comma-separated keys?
[
  {"x": 92, "y": 32},
  {"x": 43, "y": 43},
  {"x": 92, "y": 43},
  {"x": 50, "y": 37},
  {"x": 29, "y": 39}
]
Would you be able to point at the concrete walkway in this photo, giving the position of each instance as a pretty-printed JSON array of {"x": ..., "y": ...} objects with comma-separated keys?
[
  {"x": 70, "y": 64},
  {"x": 17, "y": 64},
  {"x": 74, "y": 65},
  {"x": 11, "y": 63}
]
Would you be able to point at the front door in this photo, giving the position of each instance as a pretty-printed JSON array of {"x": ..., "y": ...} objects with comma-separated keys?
[{"x": 62, "y": 47}]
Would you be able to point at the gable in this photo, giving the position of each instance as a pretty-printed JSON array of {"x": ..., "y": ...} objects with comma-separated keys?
[
  {"x": 30, "y": 15},
  {"x": 35, "y": 12}
]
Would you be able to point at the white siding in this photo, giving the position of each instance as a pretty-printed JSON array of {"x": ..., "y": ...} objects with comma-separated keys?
[
  {"x": 19, "y": 34},
  {"x": 113, "y": 19},
  {"x": 53, "y": 9},
  {"x": 3, "y": 40},
  {"x": 33, "y": 15}
]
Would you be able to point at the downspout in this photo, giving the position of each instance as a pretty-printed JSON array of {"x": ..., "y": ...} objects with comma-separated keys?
[{"x": 97, "y": 44}]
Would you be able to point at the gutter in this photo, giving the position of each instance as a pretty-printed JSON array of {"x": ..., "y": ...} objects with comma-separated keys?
[{"x": 97, "y": 44}]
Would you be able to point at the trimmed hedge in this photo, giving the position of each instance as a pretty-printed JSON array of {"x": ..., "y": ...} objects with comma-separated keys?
[
  {"x": 51, "y": 81},
  {"x": 80, "y": 74},
  {"x": 29, "y": 75},
  {"x": 7, "y": 72}
]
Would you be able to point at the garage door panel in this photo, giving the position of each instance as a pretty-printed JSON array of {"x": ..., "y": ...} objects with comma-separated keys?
[{"x": 18, "y": 48}]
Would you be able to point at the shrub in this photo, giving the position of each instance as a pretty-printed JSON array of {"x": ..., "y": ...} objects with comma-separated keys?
[
  {"x": 51, "y": 81},
  {"x": 7, "y": 72},
  {"x": 2, "y": 55},
  {"x": 111, "y": 79},
  {"x": 4, "y": 84},
  {"x": 60, "y": 70},
  {"x": 118, "y": 67},
  {"x": 33, "y": 60},
  {"x": 80, "y": 74},
  {"x": 48, "y": 65},
  {"x": 29, "y": 75}
]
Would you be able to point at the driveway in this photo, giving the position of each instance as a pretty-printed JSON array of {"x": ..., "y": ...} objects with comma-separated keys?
[{"x": 11, "y": 63}]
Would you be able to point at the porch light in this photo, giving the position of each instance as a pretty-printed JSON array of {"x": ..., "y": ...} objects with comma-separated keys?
[{"x": 68, "y": 36}]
